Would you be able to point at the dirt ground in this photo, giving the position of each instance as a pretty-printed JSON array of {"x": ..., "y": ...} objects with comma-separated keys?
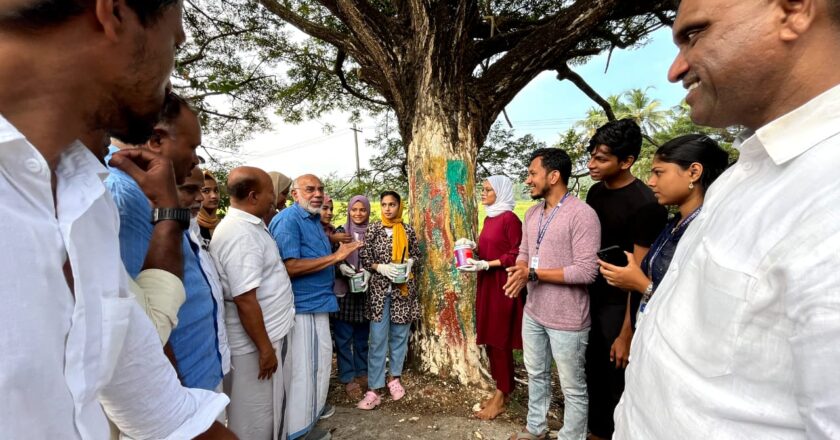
[{"x": 432, "y": 409}]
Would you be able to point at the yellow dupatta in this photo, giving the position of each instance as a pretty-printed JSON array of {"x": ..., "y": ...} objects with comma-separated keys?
[{"x": 399, "y": 243}]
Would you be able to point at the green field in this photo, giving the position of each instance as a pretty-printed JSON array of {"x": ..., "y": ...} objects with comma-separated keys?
[{"x": 340, "y": 209}]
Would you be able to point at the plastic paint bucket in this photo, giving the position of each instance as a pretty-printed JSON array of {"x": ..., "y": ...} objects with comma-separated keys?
[
  {"x": 357, "y": 282},
  {"x": 462, "y": 253},
  {"x": 403, "y": 273}
]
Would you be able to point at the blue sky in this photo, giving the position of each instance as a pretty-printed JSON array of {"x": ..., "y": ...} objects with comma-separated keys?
[{"x": 545, "y": 108}]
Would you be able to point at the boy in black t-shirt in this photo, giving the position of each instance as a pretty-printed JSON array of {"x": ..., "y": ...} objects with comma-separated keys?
[{"x": 630, "y": 218}]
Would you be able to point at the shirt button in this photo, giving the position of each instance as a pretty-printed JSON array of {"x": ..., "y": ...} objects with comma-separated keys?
[{"x": 34, "y": 166}]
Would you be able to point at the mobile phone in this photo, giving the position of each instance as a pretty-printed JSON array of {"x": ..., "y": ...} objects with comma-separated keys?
[{"x": 613, "y": 255}]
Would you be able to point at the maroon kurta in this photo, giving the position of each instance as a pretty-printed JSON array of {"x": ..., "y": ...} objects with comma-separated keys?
[{"x": 498, "y": 318}]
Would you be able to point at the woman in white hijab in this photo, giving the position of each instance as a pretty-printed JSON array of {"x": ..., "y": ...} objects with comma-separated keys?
[{"x": 498, "y": 318}]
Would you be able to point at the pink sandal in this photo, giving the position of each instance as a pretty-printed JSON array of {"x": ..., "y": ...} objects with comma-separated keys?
[
  {"x": 369, "y": 402},
  {"x": 396, "y": 388}
]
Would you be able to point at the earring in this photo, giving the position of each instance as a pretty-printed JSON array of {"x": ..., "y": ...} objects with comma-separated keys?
[{"x": 691, "y": 185}]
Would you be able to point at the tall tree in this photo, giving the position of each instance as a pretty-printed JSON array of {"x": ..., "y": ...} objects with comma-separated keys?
[{"x": 446, "y": 69}]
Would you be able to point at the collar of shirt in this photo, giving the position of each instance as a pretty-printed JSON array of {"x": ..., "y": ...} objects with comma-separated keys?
[
  {"x": 304, "y": 213},
  {"x": 77, "y": 164},
  {"x": 240, "y": 214},
  {"x": 797, "y": 131}
]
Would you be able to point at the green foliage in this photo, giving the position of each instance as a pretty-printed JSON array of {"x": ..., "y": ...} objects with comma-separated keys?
[{"x": 658, "y": 126}]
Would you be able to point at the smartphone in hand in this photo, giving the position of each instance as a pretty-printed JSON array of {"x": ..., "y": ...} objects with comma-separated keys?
[{"x": 613, "y": 255}]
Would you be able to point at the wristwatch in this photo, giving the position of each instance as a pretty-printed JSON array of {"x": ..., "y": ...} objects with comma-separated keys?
[
  {"x": 648, "y": 292},
  {"x": 180, "y": 215},
  {"x": 532, "y": 274}
]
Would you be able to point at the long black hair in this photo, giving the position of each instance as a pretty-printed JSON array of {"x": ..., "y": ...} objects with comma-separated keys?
[{"x": 696, "y": 148}]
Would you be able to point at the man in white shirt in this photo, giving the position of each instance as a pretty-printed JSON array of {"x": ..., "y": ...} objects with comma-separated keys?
[
  {"x": 74, "y": 340},
  {"x": 259, "y": 312},
  {"x": 740, "y": 340}
]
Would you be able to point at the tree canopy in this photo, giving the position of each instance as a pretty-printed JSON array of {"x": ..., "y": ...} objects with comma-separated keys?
[{"x": 304, "y": 58}]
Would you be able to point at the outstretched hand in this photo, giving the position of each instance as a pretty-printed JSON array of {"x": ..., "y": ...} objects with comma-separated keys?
[{"x": 345, "y": 249}]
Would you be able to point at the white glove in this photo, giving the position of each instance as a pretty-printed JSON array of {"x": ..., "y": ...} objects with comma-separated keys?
[
  {"x": 345, "y": 270},
  {"x": 474, "y": 265},
  {"x": 466, "y": 241},
  {"x": 387, "y": 270},
  {"x": 366, "y": 279},
  {"x": 410, "y": 263}
]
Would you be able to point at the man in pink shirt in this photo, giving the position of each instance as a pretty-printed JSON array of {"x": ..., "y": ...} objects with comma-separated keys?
[{"x": 557, "y": 260}]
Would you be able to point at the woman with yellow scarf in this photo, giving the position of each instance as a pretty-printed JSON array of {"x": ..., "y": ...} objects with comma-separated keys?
[
  {"x": 391, "y": 254},
  {"x": 208, "y": 216}
]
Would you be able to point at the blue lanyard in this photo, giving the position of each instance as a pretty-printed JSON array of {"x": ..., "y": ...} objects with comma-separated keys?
[
  {"x": 543, "y": 229},
  {"x": 674, "y": 230}
]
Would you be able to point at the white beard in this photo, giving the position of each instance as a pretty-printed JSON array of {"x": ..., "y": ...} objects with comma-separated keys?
[{"x": 309, "y": 208}]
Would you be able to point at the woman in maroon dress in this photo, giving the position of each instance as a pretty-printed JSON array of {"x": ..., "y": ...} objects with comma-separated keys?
[{"x": 498, "y": 318}]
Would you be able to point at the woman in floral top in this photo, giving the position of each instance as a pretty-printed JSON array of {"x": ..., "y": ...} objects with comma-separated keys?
[{"x": 391, "y": 307}]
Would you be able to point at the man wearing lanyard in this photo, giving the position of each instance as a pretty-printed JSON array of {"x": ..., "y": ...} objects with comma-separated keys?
[{"x": 556, "y": 260}]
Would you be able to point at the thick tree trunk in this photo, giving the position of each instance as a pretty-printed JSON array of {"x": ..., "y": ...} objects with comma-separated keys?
[{"x": 441, "y": 160}]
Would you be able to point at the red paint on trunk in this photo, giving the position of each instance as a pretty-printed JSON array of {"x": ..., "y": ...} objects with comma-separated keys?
[{"x": 449, "y": 320}]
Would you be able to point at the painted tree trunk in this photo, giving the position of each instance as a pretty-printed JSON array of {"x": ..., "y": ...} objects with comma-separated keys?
[{"x": 441, "y": 161}]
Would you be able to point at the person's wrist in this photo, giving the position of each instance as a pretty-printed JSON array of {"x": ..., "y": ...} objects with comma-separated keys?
[{"x": 168, "y": 199}]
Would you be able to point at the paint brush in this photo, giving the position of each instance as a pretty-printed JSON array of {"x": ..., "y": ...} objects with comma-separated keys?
[{"x": 402, "y": 259}]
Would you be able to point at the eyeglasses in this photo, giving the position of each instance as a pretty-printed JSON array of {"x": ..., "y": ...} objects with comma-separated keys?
[{"x": 311, "y": 189}]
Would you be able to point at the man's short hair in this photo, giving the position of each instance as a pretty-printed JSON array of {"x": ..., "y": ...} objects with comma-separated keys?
[
  {"x": 243, "y": 186},
  {"x": 173, "y": 105},
  {"x": 623, "y": 137},
  {"x": 38, "y": 14},
  {"x": 554, "y": 159}
]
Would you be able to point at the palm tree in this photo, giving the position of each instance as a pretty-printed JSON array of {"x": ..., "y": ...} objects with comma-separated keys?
[{"x": 645, "y": 111}]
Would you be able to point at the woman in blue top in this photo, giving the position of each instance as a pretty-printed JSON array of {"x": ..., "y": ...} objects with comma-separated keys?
[{"x": 682, "y": 170}]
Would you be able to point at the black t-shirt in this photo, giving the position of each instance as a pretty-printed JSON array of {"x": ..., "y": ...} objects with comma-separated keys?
[{"x": 629, "y": 216}]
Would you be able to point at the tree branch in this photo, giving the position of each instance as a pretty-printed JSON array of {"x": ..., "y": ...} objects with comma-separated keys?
[
  {"x": 221, "y": 115},
  {"x": 337, "y": 39},
  {"x": 200, "y": 54},
  {"x": 235, "y": 87},
  {"x": 543, "y": 49},
  {"x": 564, "y": 72},
  {"x": 339, "y": 71}
]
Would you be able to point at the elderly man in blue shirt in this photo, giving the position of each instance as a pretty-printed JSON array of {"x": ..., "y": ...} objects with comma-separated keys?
[{"x": 310, "y": 262}]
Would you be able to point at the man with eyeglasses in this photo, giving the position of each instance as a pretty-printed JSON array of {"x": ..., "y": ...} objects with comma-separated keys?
[{"x": 310, "y": 262}]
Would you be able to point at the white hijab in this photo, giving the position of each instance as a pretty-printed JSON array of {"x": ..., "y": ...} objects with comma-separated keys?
[{"x": 503, "y": 187}]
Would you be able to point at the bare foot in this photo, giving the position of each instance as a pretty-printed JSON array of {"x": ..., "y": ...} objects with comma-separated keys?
[{"x": 494, "y": 406}]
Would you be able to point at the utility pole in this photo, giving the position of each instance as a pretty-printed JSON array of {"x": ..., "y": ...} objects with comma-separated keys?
[{"x": 356, "y": 132}]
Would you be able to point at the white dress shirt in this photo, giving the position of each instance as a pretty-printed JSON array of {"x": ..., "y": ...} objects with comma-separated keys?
[
  {"x": 247, "y": 258},
  {"x": 741, "y": 339},
  {"x": 65, "y": 355},
  {"x": 212, "y": 275}
]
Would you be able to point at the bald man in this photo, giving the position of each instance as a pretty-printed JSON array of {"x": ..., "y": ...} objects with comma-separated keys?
[
  {"x": 260, "y": 309},
  {"x": 308, "y": 256}
]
